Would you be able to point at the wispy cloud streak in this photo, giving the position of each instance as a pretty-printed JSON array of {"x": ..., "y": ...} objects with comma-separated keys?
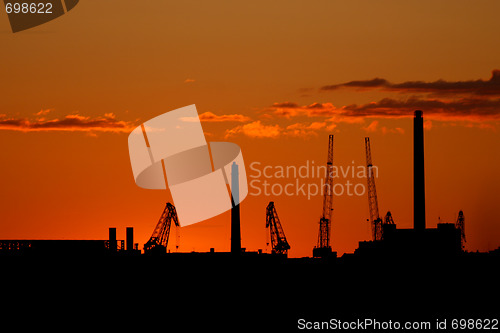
[{"x": 70, "y": 123}]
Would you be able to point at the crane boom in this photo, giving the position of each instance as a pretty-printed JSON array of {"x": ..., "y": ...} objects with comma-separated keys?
[
  {"x": 323, "y": 247},
  {"x": 279, "y": 244},
  {"x": 375, "y": 220},
  {"x": 159, "y": 238}
]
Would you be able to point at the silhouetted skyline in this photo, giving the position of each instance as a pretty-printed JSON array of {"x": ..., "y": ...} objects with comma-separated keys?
[{"x": 66, "y": 113}]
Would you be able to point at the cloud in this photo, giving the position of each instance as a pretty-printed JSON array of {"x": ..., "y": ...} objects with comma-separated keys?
[
  {"x": 427, "y": 124},
  {"x": 479, "y": 87},
  {"x": 372, "y": 127},
  {"x": 290, "y": 109},
  {"x": 210, "y": 117},
  {"x": 466, "y": 109},
  {"x": 373, "y": 83},
  {"x": 43, "y": 112},
  {"x": 470, "y": 109},
  {"x": 285, "y": 105},
  {"x": 317, "y": 125},
  {"x": 70, "y": 123},
  {"x": 304, "y": 130},
  {"x": 468, "y": 102},
  {"x": 256, "y": 130}
]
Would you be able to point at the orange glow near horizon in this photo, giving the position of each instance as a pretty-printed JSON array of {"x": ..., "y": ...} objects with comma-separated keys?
[{"x": 74, "y": 88}]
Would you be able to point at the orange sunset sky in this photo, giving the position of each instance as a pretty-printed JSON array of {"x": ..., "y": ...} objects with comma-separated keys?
[{"x": 275, "y": 77}]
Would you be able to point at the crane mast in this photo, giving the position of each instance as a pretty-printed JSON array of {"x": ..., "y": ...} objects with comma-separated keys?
[
  {"x": 375, "y": 220},
  {"x": 323, "y": 247},
  {"x": 279, "y": 244},
  {"x": 159, "y": 239}
]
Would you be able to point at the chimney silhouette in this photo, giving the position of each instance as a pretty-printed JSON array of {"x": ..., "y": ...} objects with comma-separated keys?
[
  {"x": 112, "y": 239},
  {"x": 130, "y": 238},
  {"x": 235, "y": 211},
  {"x": 418, "y": 172}
]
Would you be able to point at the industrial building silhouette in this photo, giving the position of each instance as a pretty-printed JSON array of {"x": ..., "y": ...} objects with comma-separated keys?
[
  {"x": 446, "y": 239},
  {"x": 388, "y": 241}
]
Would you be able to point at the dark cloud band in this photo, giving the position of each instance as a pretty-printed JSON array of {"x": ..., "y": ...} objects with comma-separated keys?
[{"x": 475, "y": 87}]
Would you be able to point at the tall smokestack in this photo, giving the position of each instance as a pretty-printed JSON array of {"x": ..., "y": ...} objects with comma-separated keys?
[
  {"x": 235, "y": 211},
  {"x": 418, "y": 172},
  {"x": 130, "y": 238},
  {"x": 112, "y": 239}
]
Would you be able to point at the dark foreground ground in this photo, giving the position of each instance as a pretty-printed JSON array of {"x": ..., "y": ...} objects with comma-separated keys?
[{"x": 221, "y": 293}]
